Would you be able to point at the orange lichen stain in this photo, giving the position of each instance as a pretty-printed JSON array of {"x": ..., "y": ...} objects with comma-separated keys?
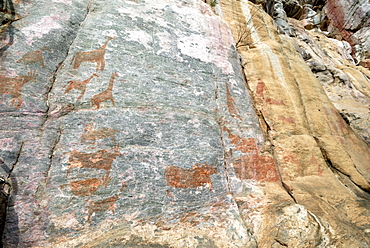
[
  {"x": 231, "y": 104},
  {"x": 198, "y": 175},
  {"x": 101, "y": 206},
  {"x": 87, "y": 187},
  {"x": 286, "y": 120},
  {"x": 101, "y": 159},
  {"x": 12, "y": 86}
]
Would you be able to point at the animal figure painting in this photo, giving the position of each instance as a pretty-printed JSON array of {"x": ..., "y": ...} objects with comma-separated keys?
[
  {"x": 101, "y": 159},
  {"x": 13, "y": 86},
  {"x": 198, "y": 175},
  {"x": 87, "y": 187},
  {"x": 106, "y": 95},
  {"x": 101, "y": 206},
  {"x": 33, "y": 57},
  {"x": 79, "y": 85},
  {"x": 94, "y": 56},
  {"x": 91, "y": 135}
]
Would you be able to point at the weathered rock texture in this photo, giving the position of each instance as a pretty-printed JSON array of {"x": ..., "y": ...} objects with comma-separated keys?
[{"x": 189, "y": 123}]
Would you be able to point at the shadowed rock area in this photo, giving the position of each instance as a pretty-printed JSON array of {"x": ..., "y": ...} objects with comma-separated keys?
[{"x": 188, "y": 123}]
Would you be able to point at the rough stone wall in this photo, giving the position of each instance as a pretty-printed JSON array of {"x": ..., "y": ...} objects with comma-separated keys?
[
  {"x": 316, "y": 152},
  {"x": 190, "y": 123}
]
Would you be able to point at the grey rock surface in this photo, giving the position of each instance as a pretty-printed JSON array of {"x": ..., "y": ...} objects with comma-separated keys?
[{"x": 117, "y": 109}]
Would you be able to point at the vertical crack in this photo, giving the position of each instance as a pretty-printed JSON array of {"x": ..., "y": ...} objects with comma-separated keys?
[
  {"x": 266, "y": 129},
  {"x": 51, "y": 153},
  {"x": 16, "y": 161},
  {"x": 68, "y": 107},
  {"x": 222, "y": 140},
  {"x": 344, "y": 178}
]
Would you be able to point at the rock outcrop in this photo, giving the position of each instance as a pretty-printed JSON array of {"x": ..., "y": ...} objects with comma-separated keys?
[{"x": 185, "y": 123}]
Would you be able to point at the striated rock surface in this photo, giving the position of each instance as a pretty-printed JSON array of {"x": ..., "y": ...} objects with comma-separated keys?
[
  {"x": 189, "y": 123},
  {"x": 316, "y": 152}
]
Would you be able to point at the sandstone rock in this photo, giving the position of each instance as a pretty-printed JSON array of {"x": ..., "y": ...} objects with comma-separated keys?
[{"x": 311, "y": 141}]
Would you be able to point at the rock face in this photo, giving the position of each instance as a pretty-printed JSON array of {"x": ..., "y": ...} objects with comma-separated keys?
[{"x": 185, "y": 123}]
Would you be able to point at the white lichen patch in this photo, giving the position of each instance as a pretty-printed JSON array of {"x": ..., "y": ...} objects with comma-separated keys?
[
  {"x": 141, "y": 37},
  {"x": 40, "y": 28}
]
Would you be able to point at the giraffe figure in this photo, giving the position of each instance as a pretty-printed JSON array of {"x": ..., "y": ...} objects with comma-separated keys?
[
  {"x": 33, "y": 57},
  {"x": 79, "y": 85},
  {"x": 105, "y": 95},
  {"x": 94, "y": 56}
]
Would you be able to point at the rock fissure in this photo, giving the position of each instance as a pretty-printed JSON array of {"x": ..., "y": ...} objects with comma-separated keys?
[
  {"x": 19, "y": 153},
  {"x": 51, "y": 154},
  {"x": 69, "y": 107}
]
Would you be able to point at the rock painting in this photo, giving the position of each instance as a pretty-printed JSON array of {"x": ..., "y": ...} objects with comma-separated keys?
[
  {"x": 79, "y": 85},
  {"x": 231, "y": 104},
  {"x": 91, "y": 135},
  {"x": 261, "y": 90},
  {"x": 286, "y": 120},
  {"x": 336, "y": 122},
  {"x": 87, "y": 187},
  {"x": 101, "y": 206},
  {"x": 314, "y": 162},
  {"x": 13, "y": 86},
  {"x": 198, "y": 175},
  {"x": 101, "y": 159},
  {"x": 94, "y": 56},
  {"x": 253, "y": 164},
  {"x": 33, "y": 57},
  {"x": 106, "y": 95}
]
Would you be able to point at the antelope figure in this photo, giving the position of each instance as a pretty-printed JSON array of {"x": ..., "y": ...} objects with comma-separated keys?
[
  {"x": 101, "y": 206},
  {"x": 87, "y": 187},
  {"x": 101, "y": 159},
  {"x": 198, "y": 175},
  {"x": 13, "y": 86},
  {"x": 94, "y": 56},
  {"x": 91, "y": 134},
  {"x": 79, "y": 85},
  {"x": 105, "y": 95},
  {"x": 33, "y": 57}
]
